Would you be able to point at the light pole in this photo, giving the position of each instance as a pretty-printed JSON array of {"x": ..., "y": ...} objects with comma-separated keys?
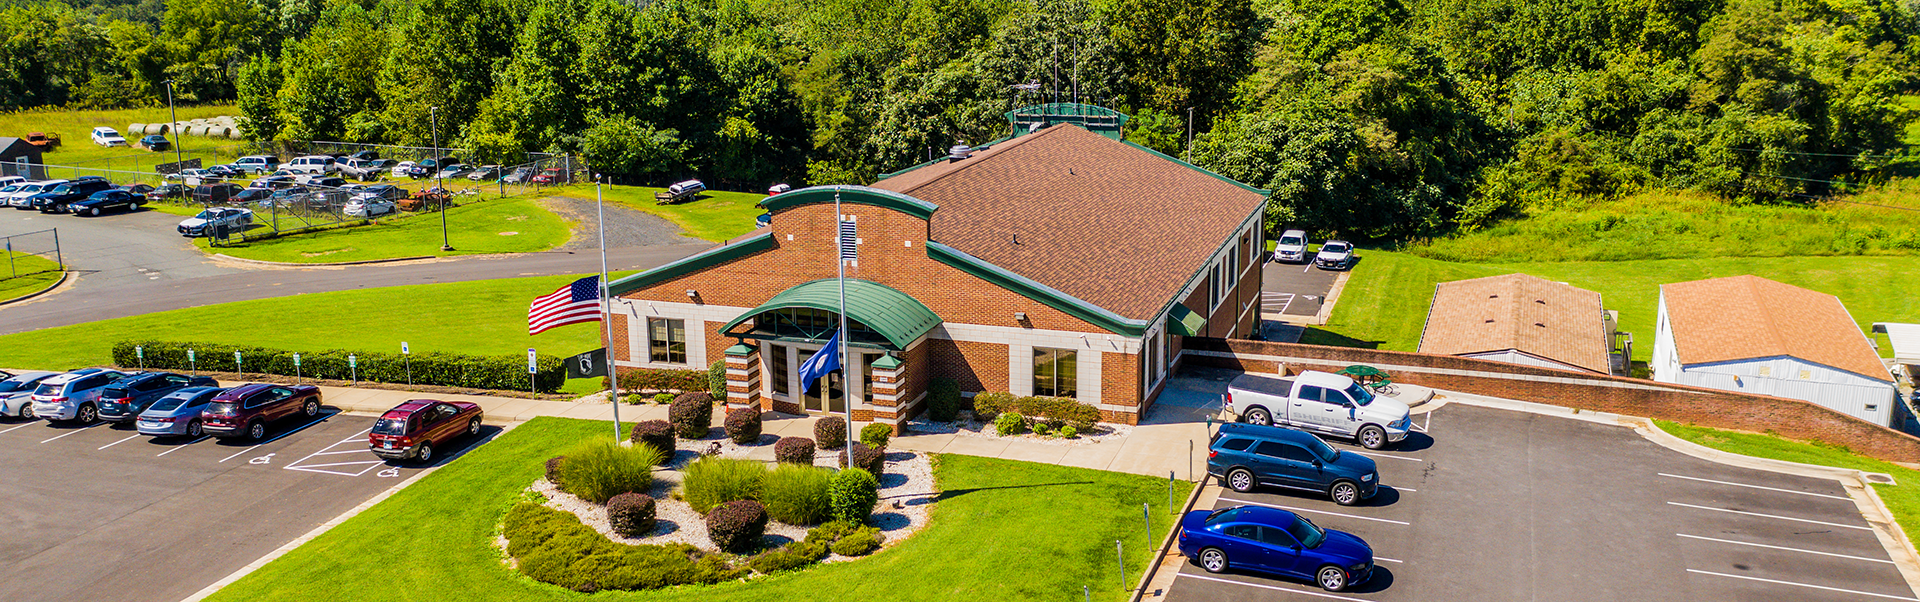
[
  {"x": 434, "y": 114},
  {"x": 174, "y": 127}
]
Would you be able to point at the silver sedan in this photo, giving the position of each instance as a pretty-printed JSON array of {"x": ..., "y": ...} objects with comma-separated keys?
[{"x": 16, "y": 393}]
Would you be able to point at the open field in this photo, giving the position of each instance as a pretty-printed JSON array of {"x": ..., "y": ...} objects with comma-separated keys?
[
  {"x": 1903, "y": 498},
  {"x": 715, "y": 216},
  {"x": 77, "y": 149},
  {"x": 512, "y": 225},
  {"x": 1002, "y": 530},
  {"x": 23, "y": 274}
]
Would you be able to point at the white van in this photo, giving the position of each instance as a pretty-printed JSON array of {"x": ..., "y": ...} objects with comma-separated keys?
[
  {"x": 314, "y": 164},
  {"x": 11, "y": 180}
]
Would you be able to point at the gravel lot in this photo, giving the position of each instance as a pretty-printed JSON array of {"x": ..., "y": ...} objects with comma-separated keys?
[{"x": 625, "y": 227}]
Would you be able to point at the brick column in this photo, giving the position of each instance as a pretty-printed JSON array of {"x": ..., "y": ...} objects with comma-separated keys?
[
  {"x": 889, "y": 377},
  {"x": 743, "y": 376}
]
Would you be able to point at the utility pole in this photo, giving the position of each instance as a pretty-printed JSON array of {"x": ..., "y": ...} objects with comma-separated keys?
[
  {"x": 1189, "y": 134},
  {"x": 433, "y": 113},
  {"x": 174, "y": 127}
]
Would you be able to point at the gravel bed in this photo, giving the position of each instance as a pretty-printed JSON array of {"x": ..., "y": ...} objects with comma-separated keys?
[
  {"x": 964, "y": 425},
  {"x": 625, "y": 227}
]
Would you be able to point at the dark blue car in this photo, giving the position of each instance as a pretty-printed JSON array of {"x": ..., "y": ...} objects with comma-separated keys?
[
  {"x": 105, "y": 200},
  {"x": 1244, "y": 456},
  {"x": 125, "y": 400},
  {"x": 1271, "y": 540}
]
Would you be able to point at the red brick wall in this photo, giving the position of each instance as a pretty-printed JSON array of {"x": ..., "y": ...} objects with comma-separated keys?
[
  {"x": 1120, "y": 384},
  {"x": 1791, "y": 418},
  {"x": 617, "y": 348},
  {"x": 915, "y": 383},
  {"x": 975, "y": 366}
]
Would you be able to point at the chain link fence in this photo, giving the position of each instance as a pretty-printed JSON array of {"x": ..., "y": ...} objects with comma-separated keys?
[{"x": 31, "y": 253}]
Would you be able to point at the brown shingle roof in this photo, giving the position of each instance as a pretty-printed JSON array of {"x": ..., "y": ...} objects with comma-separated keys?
[
  {"x": 1099, "y": 219},
  {"x": 1746, "y": 317},
  {"x": 1538, "y": 317}
]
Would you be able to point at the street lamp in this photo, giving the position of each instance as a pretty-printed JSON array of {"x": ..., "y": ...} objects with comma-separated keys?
[
  {"x": 433, "y": 113},
  {"x": 175, "y": 128}
]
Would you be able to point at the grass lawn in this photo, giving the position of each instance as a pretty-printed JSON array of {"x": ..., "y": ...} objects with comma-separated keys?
[
  {"x": 1385, "y": 302},
  {"x": 24, "y": 274},
  {"x": 78, "y": 149},
  {"x": 716, "y": 216},
  {"x": 1003, "y": 530},
  {"x": 512, "y": 225},
  {"x": 1902, "y": 498}
]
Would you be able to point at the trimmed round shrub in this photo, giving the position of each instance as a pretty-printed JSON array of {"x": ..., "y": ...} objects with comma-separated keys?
[
  {"x": 663, "y": 398},
  {"x": 1009, "y": 424},
  {"x": 859, "y": 543},
  {"x": 553, "y": 469},
  {"x": 854, "y": 493},
  {"x": 743, "y": 425},
  {"x": 830, "y": 432},
  {"x": 866, "y": 458},
  {"x": 943, "y": 400},
  {"x": 798, "y": 495},
  {"x": 876, "y": 435},
  {"x": 710, "y": 481},
  {"x": 736, "y": 526},
  {"x": 1069, "y": 432},
  {"x": 657, "y": 434},
  {"x": 793, "y": 450},
  {"x": 631, "y": 514},
  {"x": 598, "y": 469},
  {"x": 691, "y": 415}
]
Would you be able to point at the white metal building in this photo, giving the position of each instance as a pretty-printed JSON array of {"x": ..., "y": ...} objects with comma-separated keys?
[{"x": 1752, "y": 335}]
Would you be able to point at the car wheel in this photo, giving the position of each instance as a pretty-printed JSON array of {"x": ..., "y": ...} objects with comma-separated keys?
[
  {"x": 312, "y": 408},
  {"x": 86, "y": 414},
  {"x": 256, "y": 430},
  {"x": 1213, "y": 560},
  {"x": 94, "y": 212},
  {"x": 194, "y": 430},
  {"x": 1344, "y": 493},
  {"x": 473, "y": 426},
  {"x": 1332, "y": 578},
  {"x": 1371, "y": 437},
  {"x": 1240, "y": 480},
  {"x": 1259, "y": 416},
  {"x": 26, "y": 409},
  {"x": 425, "y": 453}
]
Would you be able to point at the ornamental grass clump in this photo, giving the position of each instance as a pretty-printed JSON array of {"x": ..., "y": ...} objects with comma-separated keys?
[
  {"x": 736, "y": 526},
  {"x": 710, "y": 481},
  {"x": 793, "y": 450},
  {"x": 830, "y": 432},
  {"x": 798, "y": 495},
  {"x": 854, "y": 493},
  {"x": 743, "y": 426},
  {"x": 599, "y": 469},
  {"x": 691, "y": 415}
]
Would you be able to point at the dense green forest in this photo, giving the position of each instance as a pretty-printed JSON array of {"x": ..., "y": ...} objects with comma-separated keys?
[{"x": 1379, "y": 119}]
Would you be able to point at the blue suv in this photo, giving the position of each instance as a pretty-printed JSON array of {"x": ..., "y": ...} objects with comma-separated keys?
[
  {"x": 125, "y": 400},
  {"x": 1244, "y": 456}
]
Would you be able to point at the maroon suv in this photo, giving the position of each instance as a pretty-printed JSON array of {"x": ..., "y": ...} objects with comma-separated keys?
[
  {"x": 410, "y": 430},
  {"x": 245, "y": 411}
]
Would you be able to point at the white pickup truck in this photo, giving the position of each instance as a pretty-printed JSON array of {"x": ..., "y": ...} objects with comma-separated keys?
[{"x": 1319, "y": 402}]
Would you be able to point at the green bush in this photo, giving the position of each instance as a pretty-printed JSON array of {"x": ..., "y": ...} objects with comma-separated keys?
[
  {"x": 691, "y": 415},
  {"x": 793, "y": 450},
  {"x": 797, "y": 495},
  {"x": 782, "y": 559},
  {"x": 1009, "y": 424},
  {"x": 709, "y": 482},
  {"x": 717, "y": 379},
  {"x": 866, "y": 458},
  {"x": 655, "y": 379},
  {"x": 737, "y": 526},
  {"x": 663, "y": 398},
  {"x": 876, "y": 435},
  {"x": 830, "y": 432},
  {"x": 859, "y": 543},
  {"x": 500, "y": 372},
  {"x": 988, "y": 406},
  {"x": 1042, "y": 428},
  {"x": 943, "y": 399},
  {"x": 552, "y": 546},
  {"x": 657, "y": 434},
  {"x": 743, "y": 425},
  {"x": 854, "y": 492},
  {"x": 598, "y": 469},
  {"x": 1069, "y": 432},
  {"x": 1056, "y": 411},
  {"x": 631, "y": 514},
  {"x": 829, "y": 532}
]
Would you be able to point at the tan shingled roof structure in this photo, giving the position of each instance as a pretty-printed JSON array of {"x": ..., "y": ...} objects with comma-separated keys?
[
  {"x": 1747, "y": 317},
  {"x": 1072, "y": 209},
  {"x": 1538, "y": 317}
]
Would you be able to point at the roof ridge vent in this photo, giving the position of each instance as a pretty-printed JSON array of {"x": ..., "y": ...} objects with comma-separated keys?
[{"x": 959, "y": 151}]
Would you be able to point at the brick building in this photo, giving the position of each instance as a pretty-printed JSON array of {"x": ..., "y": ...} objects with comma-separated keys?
[{"x": 1060, "y": 260}]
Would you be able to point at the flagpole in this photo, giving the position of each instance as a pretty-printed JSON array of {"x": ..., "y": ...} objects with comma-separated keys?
[
  {"x": 606, "y": 310},
  {"x": 839, "y": 258}
]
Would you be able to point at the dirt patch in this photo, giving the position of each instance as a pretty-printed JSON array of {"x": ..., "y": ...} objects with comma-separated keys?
[{"x": 326, "y": 253}]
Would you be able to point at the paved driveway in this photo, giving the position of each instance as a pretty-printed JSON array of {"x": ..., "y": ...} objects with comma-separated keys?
[
  {"x": 1491, "y": 505},
  {"x": 119, "y": 249},
  {"x": 1295, "y": 290}
]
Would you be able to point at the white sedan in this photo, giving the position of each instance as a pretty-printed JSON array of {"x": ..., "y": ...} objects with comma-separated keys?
[
  {"x": 368, "y": 205},
  {"x": 108, "y": 137},
  {"x": 233, "y": 217},
  {"x": 1334, "y": 255},
  {"x": 401, "y": 169}
]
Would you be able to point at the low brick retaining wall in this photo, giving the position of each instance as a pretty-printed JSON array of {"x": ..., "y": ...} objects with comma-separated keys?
[{"x": 1790, "y": 418}]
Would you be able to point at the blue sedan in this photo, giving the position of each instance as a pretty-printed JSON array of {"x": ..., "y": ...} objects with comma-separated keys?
[
  {"x": 177, "y": 414},
  {"x": 1272, "y": 540}
]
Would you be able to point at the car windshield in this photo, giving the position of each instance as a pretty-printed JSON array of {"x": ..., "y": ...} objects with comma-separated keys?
[
  {"x": 390, "y": 426},
  {"x": 171, "y": 403},
  {"x": 11, "y": 188},
  {"x": 63, "y": 189},
  {"x": 113, "y": 392},
  {"x": 1334, "y": 247},
  {"x": 208, "y": 214},
  {"x": 1309, "y": 534},
  {"x": 9, "y": 386},
  {"x": 1292, "y": 241},
  {"x": 49, "y": 390},
  {"x": 1321, "y": 450},
  {"x": 1359, "y": 394}
]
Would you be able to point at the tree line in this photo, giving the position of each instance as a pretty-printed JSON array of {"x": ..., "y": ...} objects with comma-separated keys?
[{"x": 1377, "y": 119}]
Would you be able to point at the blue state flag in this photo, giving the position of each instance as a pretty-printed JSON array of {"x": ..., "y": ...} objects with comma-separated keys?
[{"x": 823, "y": 362}]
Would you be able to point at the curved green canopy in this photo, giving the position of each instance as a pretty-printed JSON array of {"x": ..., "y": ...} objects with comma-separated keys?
[{"x": 895, "y": 315}]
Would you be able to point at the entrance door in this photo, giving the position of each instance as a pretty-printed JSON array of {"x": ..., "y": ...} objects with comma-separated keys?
[{"x": 829, "y": 395}]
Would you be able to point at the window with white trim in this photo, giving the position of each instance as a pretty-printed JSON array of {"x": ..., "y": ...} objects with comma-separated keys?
[
  {"x": 666, "y": 341},
  {"x": 1054, "y": 372}
]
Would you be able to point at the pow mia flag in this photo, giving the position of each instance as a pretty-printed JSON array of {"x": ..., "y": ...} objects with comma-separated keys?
[{"x": 587, "y": 365}]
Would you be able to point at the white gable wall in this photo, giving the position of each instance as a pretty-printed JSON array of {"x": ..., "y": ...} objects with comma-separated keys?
[
  {"x": 1784, "y": 376},
  {"x": 1515, "y": 356}
]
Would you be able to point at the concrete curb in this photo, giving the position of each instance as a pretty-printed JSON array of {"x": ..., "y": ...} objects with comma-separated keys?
[
  {"x": 1899, "y": 547},
  {"x": 282, "y": 264},
  {"x": 64, "y": 276},
  {"x": 335, "y": 522},
  {"x": 1159, "y": 558},
  {"x": 1333, "y": 297}
]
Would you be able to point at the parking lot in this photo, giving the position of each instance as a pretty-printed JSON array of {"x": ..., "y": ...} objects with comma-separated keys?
[
  {"x": 102, "y": 513},
  {"x": 1494, "y": 505},
  {"x": 1295, "y": 290}
]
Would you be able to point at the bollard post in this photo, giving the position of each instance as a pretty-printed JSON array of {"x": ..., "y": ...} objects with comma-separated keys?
[
  {"x": 1086, "y": 593},
  {"x": 1170, "y": 508},
  {"x": 1190, "y": 476},
  {"x": 1146, "y": 513},
  {"x": 1120, "y": 554}
]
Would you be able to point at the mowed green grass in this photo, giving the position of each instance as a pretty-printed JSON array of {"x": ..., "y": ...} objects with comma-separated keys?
[
  {"x": 1385, "y": 302},
  {"x": 716, "y": 216},
  {"x": 1002, "y": 530},
  {"x": 77, "y": 147},
  {"x": 24, "y": 274},
  {"x": 1902, "y": 498},
  {"x": 511, "y": 225}
]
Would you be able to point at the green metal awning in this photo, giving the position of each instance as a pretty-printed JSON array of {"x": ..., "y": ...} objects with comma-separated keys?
[
  {"x": 1184, "y": 322},
  {"x": 893, "y": 314}
]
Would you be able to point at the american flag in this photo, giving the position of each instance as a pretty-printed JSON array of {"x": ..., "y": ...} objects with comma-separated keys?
[{"x": 572, "y": 304}]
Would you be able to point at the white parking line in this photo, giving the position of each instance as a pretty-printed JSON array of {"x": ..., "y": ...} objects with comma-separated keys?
[
  {"x": 1385, "y": 559},
  {"x": 1805, "y": 585},
  {"x": 1800, "y": 520},
  {"x": 357, "y": 438},
  {"x": 1289, "y": 303},
  {"x": 1274, "y": 588},
  {"x": 238, "y": 453},
  {"x": 25, "y": 425},
  {"x": 335, "y": 453},
  {"x": 1381, "y": 455},
  {"x": 129, "y": 438},
  {"x": 1315, "y": 511},
  {"x": 322, "y": 418},
  {"x": 1762, "y": 545},
  {"x": 182, "y": 446},
  {"x": 1399, "y": 488},
  {"x": 1835, "y": 497},
  {"x": 75, "y": 431}
]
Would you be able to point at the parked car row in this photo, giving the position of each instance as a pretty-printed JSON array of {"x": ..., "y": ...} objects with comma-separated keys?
[
  {"x": 85, "y": 195},
  {"x": 1292, "y": 247}
]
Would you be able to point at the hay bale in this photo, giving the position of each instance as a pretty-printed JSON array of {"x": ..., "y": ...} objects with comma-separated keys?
[
  {"x": 137, "y": 129},
  {"x": 235, "y": 134},
  {"x": 219, "y": 131}
]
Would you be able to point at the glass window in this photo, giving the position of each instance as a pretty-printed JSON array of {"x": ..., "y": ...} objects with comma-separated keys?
[
  {"x": 1311, "y": 393},
  {"x": 1054, "y": 371},
  {"x": 866, "y": 375},
  {"x": 389, "y": 426},
  {"x": 1243, "y": 531},
  {"x": 1320, "y": 449},
  {"x": 1285, "y": 452},
  {"x": 1276, "y": 537},
  {"x": 667, "y": 341},
  {"x": 1359, "y": 394},
  {"x": 1237, "y": 444},
  {"x": 777, "y": 372},
  {"x": 1308, "y": 533}
]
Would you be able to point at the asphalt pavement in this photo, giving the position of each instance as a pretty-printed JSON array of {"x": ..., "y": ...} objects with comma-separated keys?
[{"x": 1292, "y": 289}]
